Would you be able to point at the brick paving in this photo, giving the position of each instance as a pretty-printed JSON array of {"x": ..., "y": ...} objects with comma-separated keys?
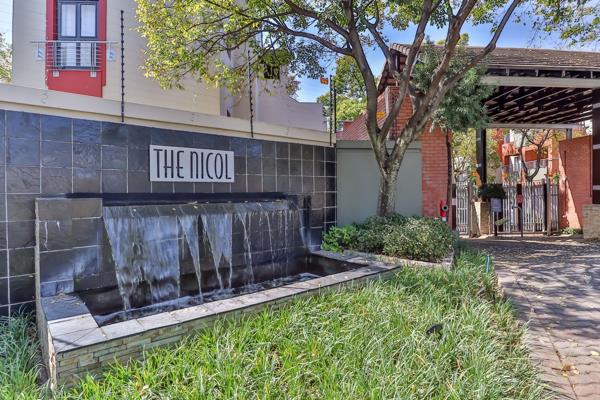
[{"x": 555, "y": 285}]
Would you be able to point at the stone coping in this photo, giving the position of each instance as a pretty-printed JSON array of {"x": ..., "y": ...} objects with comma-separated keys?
[
  {"x": 73, "y": 332},
  {"x": 445, "y": 263}
]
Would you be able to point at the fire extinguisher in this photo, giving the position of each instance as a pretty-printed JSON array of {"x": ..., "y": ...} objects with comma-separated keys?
[{"x": 444, "y": 210}]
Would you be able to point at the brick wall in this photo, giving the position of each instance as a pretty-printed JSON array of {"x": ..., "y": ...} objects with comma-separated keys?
[
  {"x": 576, "y": 180},
  {"x": 435, "y": 171}
]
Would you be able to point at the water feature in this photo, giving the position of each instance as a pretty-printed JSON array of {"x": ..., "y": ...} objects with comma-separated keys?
[{"x": 232, "y": 248}]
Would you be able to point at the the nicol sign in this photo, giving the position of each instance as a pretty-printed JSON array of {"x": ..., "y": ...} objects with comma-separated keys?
[{"x": 183, "y": 164}]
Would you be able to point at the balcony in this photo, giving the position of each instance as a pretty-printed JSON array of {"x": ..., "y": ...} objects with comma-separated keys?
[
  {"x": 513, "y": 171},
  {"x": 64, "y": 55}
]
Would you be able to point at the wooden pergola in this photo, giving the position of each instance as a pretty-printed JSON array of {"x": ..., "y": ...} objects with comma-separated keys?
[{"x": 538, "y": 88}]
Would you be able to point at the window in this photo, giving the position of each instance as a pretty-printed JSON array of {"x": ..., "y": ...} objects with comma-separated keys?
[{"x": 77, "y": 34}]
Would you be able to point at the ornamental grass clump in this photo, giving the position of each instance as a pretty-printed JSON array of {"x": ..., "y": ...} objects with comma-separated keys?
[
  {"x": 416, "y": 238},
  {"x": 19, "y": 366}
]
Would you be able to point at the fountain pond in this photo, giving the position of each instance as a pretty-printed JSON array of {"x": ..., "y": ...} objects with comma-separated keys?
[{"x": 158, "y": 272}]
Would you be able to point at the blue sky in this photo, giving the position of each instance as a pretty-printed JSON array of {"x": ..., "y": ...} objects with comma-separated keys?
[
  {"x": 6, "y": 18},
  {"x": 514, "y": 35}
]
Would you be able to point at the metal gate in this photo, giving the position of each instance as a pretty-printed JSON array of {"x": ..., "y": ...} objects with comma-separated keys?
[
  {"x": 510, "y": 211},
  {"x": 534, "y": 207},
  {"x": 536, "y": 196},
  {"x": 464, "y": 193}
]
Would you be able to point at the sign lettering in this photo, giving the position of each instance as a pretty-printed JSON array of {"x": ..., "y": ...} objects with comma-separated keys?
[{"x": 184, "y": 164}]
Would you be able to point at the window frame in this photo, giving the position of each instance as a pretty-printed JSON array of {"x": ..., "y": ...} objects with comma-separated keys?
[{"x": 78, "y": 39}]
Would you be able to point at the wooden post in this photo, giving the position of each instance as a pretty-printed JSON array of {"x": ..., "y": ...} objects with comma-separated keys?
[{"x": 481, "y": 147}]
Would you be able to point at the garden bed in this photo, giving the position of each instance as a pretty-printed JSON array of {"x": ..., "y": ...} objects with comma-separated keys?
[
  {"x": 394, "y": 238},
  {"x": 353, "y": 343}
]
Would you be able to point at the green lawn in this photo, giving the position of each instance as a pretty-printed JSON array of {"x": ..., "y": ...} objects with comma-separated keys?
[{"x": 361, "y": 343}]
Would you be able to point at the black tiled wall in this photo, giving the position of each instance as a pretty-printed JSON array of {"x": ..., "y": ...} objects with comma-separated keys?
[{"x": 43, "y": 155}]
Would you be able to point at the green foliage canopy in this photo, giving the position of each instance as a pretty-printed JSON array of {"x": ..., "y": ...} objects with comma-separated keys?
[
  {"x": 5, "y": 60},
  {"x": 576, "y": 21},
  {"x": 462, "y": 107},
  {"x": 350, "y": 88},
  {"x": 189, "y": 37}
]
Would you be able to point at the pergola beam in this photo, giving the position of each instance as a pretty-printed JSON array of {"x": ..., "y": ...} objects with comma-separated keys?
[
  {"x": 520, "y": 96},
  {"x": 533, "y": 81},
  {"x": 537, "y": 110},
  {"x": 501, "y": 125}
]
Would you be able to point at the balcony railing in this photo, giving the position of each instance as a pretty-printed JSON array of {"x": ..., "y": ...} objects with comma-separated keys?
[
  {"x": 514, "y": 170},
  {"x": 74, "y": 55}
]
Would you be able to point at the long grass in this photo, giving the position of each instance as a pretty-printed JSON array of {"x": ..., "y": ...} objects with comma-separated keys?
[
  {"x": 18, "y": 359},
  {"x": 365, "y": 343},
  {"x": 358, "y": 343}
]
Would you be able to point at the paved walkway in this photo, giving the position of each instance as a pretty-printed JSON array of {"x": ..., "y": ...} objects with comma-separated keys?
[{"x": 555, "y": 284}]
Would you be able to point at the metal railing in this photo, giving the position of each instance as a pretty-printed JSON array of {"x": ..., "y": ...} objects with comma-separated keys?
[
  {"x": 517, "y": 168},
  {"x": 74, "y": 55}
]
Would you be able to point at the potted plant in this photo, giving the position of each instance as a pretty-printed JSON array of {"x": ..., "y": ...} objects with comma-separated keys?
[
  {"x": 494, "y": 193},
  {"x": 489, "y": 191}
]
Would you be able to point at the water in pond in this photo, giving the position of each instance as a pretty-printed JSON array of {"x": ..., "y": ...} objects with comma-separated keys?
[{"x": 232, "y": 248}]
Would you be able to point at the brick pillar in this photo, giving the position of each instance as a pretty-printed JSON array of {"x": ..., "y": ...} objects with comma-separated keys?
[
  {"x": 596, "y": 146},
  {"x": 434, "y": 176}
]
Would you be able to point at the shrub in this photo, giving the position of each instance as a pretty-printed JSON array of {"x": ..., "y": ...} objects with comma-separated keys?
[
  {"x": 491, "y": 191},
  {"x": 339, "y": 238},
  {"x": 425, "y": 239},
  {"x": 571, "y": 231},
  {"x": 416, "y": 238}
]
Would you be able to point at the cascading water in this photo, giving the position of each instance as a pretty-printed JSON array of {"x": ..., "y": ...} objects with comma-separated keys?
[
  {"x": 189, "y": 225},
  {"x": 148, "y": 245},
  {"x": 218, "y": 231},
  {"x": 243, "y": 216},
  {"x": 144, "y": 249}
]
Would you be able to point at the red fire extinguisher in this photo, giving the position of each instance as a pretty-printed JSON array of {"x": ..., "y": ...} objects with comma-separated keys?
[{"x": 444, "y": 210}]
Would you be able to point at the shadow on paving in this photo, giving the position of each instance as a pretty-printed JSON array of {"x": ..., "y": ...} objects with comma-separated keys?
[{"x": 555, "y": 285}]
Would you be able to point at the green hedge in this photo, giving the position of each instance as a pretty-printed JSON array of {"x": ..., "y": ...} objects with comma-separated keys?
[{"x": 416, "y": 238}]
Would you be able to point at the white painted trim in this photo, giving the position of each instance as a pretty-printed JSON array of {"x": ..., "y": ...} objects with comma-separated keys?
[
  {"x": 542, "y": 82},
  {"x": 532, "y": 126},
  {"x": 596, "y": 147},
  {"x": 595, "y": 105},
  {"x": 19, "y": 98},
  {"x": 596, "y": 187}
]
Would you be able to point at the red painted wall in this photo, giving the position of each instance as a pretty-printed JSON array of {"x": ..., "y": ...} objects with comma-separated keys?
[
  {"x": 575, "y": 160},
  {"x": 79, "y": 82}
]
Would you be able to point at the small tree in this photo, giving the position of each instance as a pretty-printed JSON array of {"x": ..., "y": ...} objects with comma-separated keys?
[
  {"x": 351, "y": 95},
  {"x": 538, "y": 139},
  {"x": 191, "y": 37},
  {"x": 462, "y": 107},
  {"x": 5, "y": 60}
]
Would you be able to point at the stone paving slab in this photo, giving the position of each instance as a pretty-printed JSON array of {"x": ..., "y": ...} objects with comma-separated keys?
[{"x": 555, "y": 286}]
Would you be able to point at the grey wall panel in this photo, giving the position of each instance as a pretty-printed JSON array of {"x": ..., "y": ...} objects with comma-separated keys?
[{"x": 358, "y": 182}]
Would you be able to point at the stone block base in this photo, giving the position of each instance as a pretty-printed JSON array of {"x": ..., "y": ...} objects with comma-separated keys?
[
  {"x": 482, "y": 217},
  {"x": 591, "y": 221}
]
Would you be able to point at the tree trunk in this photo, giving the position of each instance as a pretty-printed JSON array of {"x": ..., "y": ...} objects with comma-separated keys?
[{"x": 387, "y": 191}]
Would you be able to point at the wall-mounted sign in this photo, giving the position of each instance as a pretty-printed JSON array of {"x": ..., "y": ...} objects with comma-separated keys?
[
  {"x": 496, "y": 205},
  {"x": 184, "y": 164}
]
